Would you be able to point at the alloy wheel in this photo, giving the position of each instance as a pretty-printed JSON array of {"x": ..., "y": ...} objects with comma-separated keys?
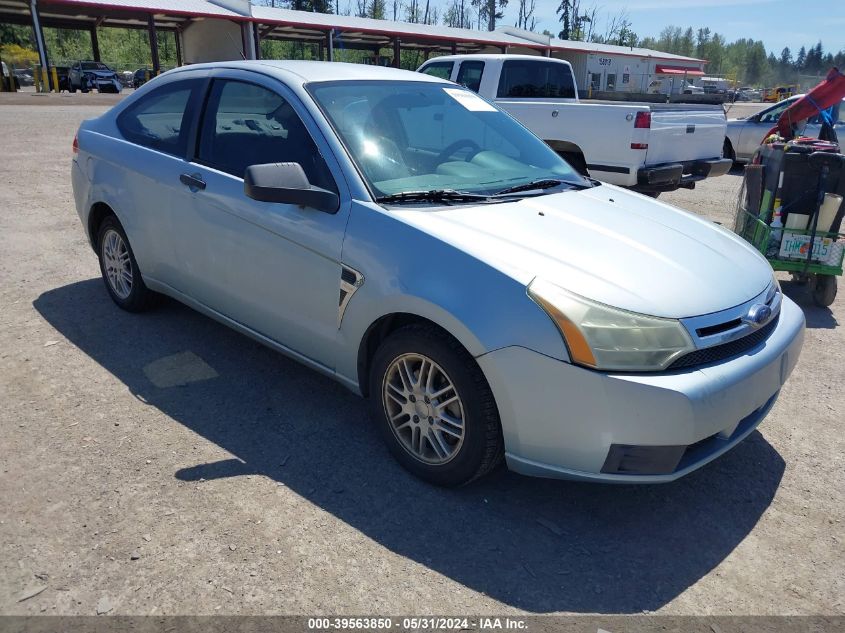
[{"x": 423, "y": 408}]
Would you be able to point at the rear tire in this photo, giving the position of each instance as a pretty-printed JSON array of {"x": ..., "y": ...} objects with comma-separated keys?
[
  {"x": 577, "y": 162},
  {"x": 119, "y": 268},
  {"x": 824, "y": 291},
  {"x": 728, "y": 151},
  {"x": 434, "y": 407}
]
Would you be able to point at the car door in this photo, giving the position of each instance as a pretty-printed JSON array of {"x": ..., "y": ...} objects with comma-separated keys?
[
  {"x": 756, "y": 127},
  {"x": 272, "y": 267},
  {"x": 144, "y": 169}
]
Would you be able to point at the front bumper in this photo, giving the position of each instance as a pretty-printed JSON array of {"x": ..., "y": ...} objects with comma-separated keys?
[
  {"x": 560, "y": 420},
  {"x": 671, "y": 176},
  {"x": 105, "y": 85}
]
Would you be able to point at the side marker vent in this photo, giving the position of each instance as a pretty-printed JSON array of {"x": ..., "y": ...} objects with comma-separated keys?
[{"x": 350, "y": 281}]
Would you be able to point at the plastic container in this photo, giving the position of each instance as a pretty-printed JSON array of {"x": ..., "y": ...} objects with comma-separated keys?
[
  {"x": 797, "y": 221},
  {"x": 828, "y": 210}
]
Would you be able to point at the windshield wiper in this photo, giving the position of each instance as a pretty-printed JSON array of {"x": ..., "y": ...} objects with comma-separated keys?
[
  {"x": 542, "y": 183},
  {"x": 433, "y": 195}
]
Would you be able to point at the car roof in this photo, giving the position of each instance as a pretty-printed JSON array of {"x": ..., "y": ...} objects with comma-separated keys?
[
  {"x": 303, "y": 72},
  {"x": 496, "y": 56}
]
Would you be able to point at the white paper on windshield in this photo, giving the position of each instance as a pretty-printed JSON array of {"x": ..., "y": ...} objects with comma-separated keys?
[{"x": 469, "y": 100}]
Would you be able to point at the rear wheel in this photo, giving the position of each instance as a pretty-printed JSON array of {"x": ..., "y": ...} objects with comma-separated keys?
[
  {"x": 824, "y": 290},
  {"x": 119, "y": 268},
  {"x": 728, "y": 150},
  {"x": 577, "y": 161},
  {"x": 434, "y": 407}
]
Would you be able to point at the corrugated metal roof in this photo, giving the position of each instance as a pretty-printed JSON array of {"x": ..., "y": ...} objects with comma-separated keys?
[
  {"x": 304, "y": 21},
  {"x": 326, "y": 21},
  {"x": 611, "y": 49},
  {"x": 199, "y": 8}
]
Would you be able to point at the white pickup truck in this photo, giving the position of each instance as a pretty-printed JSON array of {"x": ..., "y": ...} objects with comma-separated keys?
[{"x": 649, "y": 147}]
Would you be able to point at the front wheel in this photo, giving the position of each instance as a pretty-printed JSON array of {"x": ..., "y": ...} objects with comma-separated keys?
[
  {"x": 434, "y": 407},
  {"x": 119, "y": 268}
]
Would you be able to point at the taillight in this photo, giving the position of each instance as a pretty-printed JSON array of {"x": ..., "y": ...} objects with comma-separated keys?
[
  {"x": 643, "y": 120},
  {"x": 75, "y": 146}
]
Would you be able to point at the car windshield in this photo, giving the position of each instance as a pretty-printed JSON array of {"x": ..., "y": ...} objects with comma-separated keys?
[
  {"x": 94, "y": 66},
  {"x": 408, "y": 137}
]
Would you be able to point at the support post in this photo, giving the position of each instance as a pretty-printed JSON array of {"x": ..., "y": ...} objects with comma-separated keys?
[
  {"x": 247, "y": 40},
  {"x": 95, "y": 44},
  {"x": 397, "y": 50},
  {"x": 39, "y": 41},
  {"x": 256, "y": 35},
  {"x": 548, "y": 52},
  {"x": 177, "y": 35},
  {"x": 151, "y": 30},
  {"x": 330, "y": 44},
  {"x": 454, "y": 48}
]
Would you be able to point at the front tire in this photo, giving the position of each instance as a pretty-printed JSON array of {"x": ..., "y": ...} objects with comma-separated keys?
[
  {"x": 119, "y": 268},
  {"x": 434, "y": 407}
]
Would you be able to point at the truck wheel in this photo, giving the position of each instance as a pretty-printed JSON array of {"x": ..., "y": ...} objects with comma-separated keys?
[
  {"x": 577, "y": 162},
  {"x": 728, "y": 150},
  {"x": 434, "y": 407},
  {"x": 824, "y": 292}
]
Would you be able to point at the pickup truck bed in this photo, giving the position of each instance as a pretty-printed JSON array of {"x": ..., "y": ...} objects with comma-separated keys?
[{"x": 649, "y": 147}]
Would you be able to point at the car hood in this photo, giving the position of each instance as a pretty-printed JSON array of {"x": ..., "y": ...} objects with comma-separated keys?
[
  {"x": 102, "y": 74},
  {"x": 610, "y": 245}
]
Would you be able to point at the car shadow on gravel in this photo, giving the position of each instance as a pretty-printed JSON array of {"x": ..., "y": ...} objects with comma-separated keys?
[
  {"x": 533, "y": 544},
  {"x": 816, "y": 316}
]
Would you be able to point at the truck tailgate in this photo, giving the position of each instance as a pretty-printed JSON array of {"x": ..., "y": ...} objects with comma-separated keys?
[{"x": 681, "y": 133}]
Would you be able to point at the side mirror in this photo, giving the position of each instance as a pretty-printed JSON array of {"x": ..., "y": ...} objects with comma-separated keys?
[{"x": 287, "y": 183}]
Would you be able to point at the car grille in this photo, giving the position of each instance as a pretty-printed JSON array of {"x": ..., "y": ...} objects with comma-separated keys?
[{"x": 725, "y": 350}]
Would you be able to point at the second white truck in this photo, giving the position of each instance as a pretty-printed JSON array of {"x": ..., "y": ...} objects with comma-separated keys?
[{"x": 649, "y": 147}]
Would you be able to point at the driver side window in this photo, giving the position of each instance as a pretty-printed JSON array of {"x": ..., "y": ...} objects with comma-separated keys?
[
  {"x": 245, "y": 124},
  {"x": 774, "y": 114}
]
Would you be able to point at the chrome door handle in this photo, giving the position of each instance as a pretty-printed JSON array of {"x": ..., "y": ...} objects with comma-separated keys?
[{"x": 194, "y": 181}]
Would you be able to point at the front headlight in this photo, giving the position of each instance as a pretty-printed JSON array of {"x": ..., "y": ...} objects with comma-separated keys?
[{"x": 601, "y": 337}]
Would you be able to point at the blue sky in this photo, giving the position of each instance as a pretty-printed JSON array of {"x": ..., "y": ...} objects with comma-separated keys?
[{"x": 778, "y": 23}]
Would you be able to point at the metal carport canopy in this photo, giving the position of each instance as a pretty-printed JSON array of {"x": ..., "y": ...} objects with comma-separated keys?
[
  {"x": 303, "y": 25},
  {"x": 84, "y": 14}
]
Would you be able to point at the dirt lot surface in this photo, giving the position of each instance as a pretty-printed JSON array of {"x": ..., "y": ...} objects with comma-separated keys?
[{"x": 161, "y": 463}]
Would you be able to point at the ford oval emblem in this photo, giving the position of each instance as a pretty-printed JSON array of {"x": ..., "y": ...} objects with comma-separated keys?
[{"x": 758, "y": 314}]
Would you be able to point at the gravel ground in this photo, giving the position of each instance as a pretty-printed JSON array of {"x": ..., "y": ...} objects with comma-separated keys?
[{"x": 164, "y": 464}]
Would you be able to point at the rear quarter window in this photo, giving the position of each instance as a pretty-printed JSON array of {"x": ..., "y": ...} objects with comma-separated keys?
[
  {"x": 441, "y": 70},
  {"x": 536, "y": 80},
  {"x": 160, "y": 120}
]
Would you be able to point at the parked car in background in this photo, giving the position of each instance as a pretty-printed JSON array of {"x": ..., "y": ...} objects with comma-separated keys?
[
  {"x": 748, "y": 93},
  {"x": 140, "y": 77},
  {"x": 636, "y": 145},
  {"x": 24, "y": 77},
  {"x": 87, "y": 75},
  {"x": 745, "y": 134},
  {"x": 407, "y": 238},
  {"x": 8, "y": 78}
]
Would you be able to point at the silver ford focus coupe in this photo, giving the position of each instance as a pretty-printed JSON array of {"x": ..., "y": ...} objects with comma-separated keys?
[{"x": 402, "y": 235}]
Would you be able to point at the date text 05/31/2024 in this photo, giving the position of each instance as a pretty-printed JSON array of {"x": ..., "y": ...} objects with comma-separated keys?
[{"x": 416, "y": 623}]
